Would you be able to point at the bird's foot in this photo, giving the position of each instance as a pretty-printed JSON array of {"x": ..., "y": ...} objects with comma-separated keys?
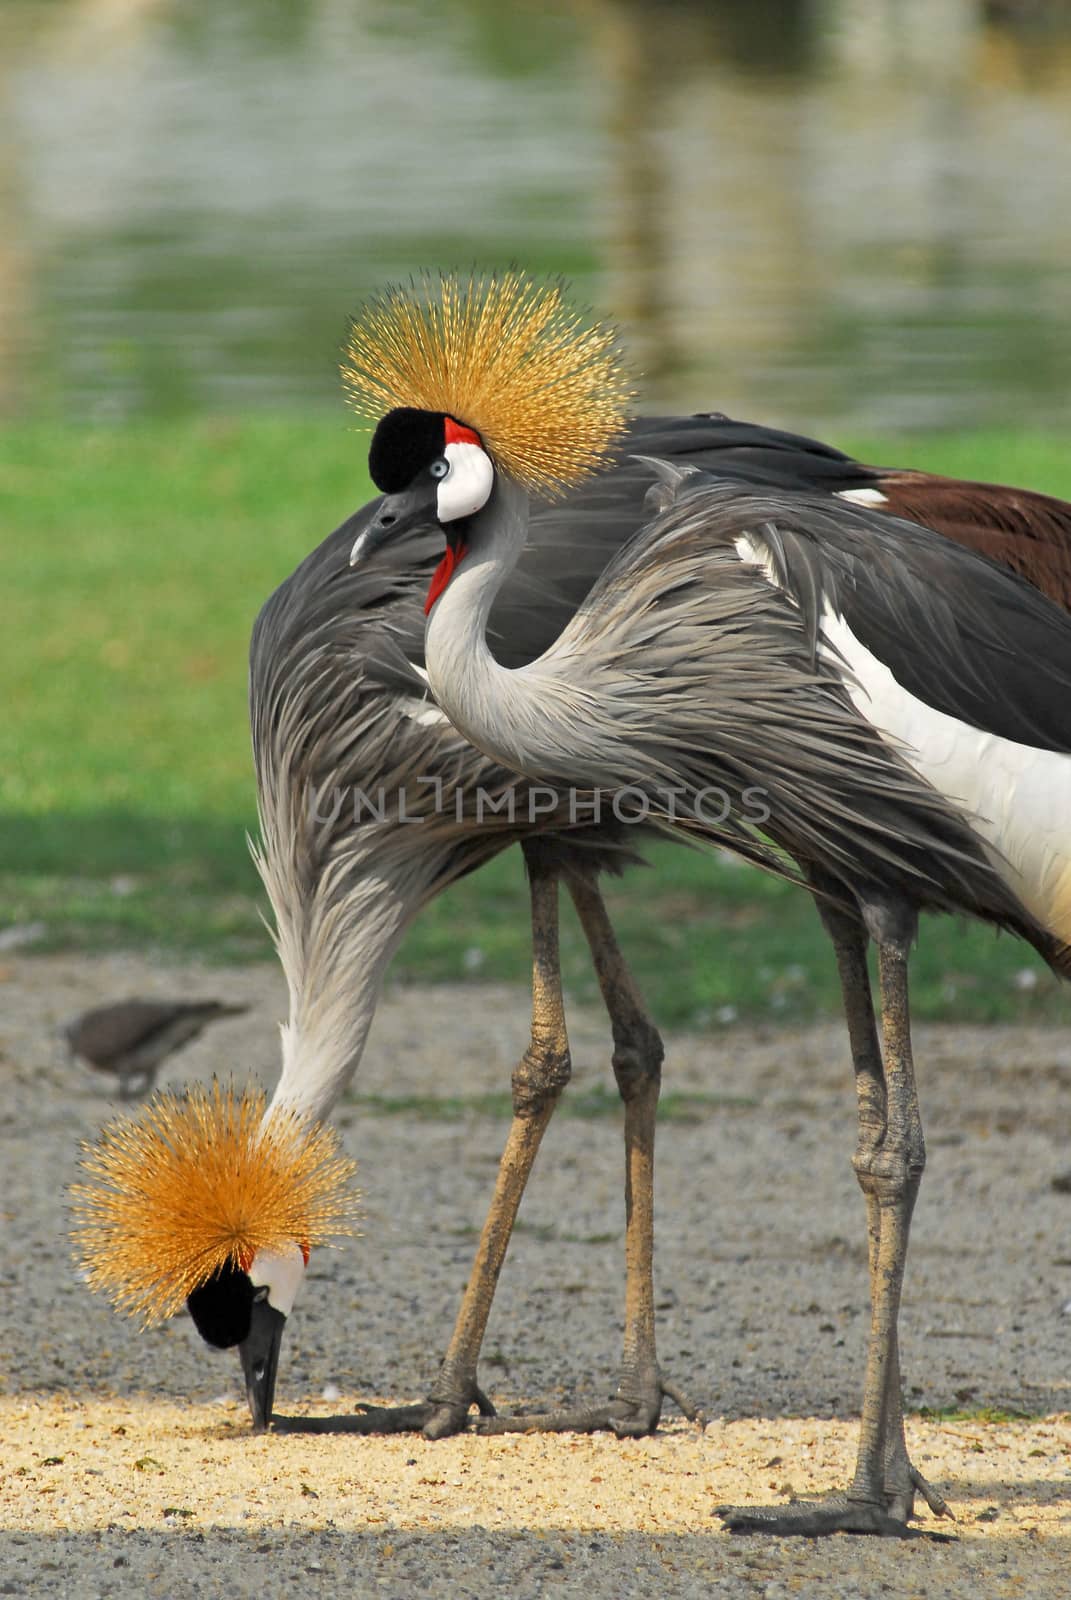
[
  {"x": 434, "y": 1418},
  {"x": 813, "y": 1519},
  {"x": 449, "y": 1413},
  {"x": 631, "y": 1415}
]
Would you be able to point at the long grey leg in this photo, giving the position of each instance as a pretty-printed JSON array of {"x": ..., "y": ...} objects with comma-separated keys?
[
  {"x": 637, "y": 1061},
  {"x": 888, "y": 1162},
  {"x": 890, "y": 1174},
  {"x": 849, "y": 937},
  {"x": 538, "y": 1081}
]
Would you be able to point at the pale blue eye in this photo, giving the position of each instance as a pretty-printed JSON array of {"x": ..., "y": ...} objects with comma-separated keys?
[{"x": 440, "y": 467}]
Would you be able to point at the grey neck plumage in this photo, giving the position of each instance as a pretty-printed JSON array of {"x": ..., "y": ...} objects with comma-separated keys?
[{"x": 485, "y": 702}]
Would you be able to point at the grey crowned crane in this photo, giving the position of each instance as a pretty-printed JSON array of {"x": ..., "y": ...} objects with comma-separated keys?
[
  {"x": 346, "y": 877},
  {"x": 902, "y": 705}
]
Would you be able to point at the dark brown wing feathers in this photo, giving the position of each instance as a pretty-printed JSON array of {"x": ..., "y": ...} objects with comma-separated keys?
[{"x": 1028, "y": 532}]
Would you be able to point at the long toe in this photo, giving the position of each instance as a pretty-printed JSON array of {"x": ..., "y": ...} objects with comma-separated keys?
[
  {"x": 368, "y": 1420},
  {"x": 593, "y": 1419},
  {"x": 632, "y": 1414},
  {"x": 818, "y": 1518}
]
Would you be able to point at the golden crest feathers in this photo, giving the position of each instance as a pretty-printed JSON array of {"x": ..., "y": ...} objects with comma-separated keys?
[
  {"x": 199, "y": 1181},
  {"x": 502, "y": 354}
]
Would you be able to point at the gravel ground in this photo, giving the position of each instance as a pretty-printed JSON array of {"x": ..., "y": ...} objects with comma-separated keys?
[{"x": 127, "y": 1466}]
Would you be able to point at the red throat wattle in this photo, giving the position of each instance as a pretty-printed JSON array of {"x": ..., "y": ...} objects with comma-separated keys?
[
  {"x": 453, "y": 433},
  {"x": 444, "y": 572}
]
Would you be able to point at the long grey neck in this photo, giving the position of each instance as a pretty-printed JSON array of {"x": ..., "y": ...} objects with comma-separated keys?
[
  {"x": 335, "y": 971},
  {"x": 482, "y": 699}
]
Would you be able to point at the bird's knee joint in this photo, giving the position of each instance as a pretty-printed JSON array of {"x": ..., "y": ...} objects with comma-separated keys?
[
  {"x": 637, "y": 1061},
  {"x": 538, "y": 1077},
  {"x": 890, "y": 1171}
]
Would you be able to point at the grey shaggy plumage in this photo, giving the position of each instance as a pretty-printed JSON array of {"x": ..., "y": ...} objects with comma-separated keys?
[
  {"x": 958, "y": 632},
  {"x": 336, "y": 705},
  {"x": 335, "y": 701}
]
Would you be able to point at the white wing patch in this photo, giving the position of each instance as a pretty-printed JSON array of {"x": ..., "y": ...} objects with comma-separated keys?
[
  {"x": 1017, "y": 798},
  {"x": 755, "y": 553},
  {"x": 863, "y": 497},
  {"x": 424, "y": 712}
]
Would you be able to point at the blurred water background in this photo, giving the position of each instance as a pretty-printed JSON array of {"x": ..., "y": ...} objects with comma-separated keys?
[
  {"x": 806, "y": 211},
  {"x": 851, "y": 217}
]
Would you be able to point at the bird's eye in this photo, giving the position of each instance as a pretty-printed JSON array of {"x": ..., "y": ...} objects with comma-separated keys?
[
  {"x": 439, "y": 467},
  {"x": 261, "y": 1294}
]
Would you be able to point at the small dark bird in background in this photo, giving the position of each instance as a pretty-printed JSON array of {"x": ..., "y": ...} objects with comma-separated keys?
[{"x": 132, "y": 1037}]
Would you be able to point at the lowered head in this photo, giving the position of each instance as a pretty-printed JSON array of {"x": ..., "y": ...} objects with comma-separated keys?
[
  {"x": 247, "y": 1305},
  {"x": 205, "y": 1201}
]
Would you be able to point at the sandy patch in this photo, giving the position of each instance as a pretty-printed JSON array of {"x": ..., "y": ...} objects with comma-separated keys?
[{"x": 127, "y": 1468}]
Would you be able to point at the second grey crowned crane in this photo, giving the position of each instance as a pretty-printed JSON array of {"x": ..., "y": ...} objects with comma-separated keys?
[{"x": 903, "y": 706}]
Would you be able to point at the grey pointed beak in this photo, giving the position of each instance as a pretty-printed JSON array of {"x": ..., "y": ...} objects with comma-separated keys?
[
  {"x": 259, "y": 1351},
  {"x": 395, "y": 515}
]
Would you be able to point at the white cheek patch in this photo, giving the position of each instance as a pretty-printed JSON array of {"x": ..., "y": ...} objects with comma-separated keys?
[
  {"x": 283, "y": 1271},
  {"x": 467, "y": 486}
]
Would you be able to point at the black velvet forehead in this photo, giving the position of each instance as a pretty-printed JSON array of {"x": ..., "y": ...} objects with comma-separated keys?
[
  {"x": 405, "y": 442},
  {"x": 222, "y": 1308}
]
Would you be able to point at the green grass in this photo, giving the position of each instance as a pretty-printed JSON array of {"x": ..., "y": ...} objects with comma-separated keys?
[
  {"x": 992, "y": 1416},
  {"x": 135, "y": 561},
  {"x": 579, "y": 1105}
]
